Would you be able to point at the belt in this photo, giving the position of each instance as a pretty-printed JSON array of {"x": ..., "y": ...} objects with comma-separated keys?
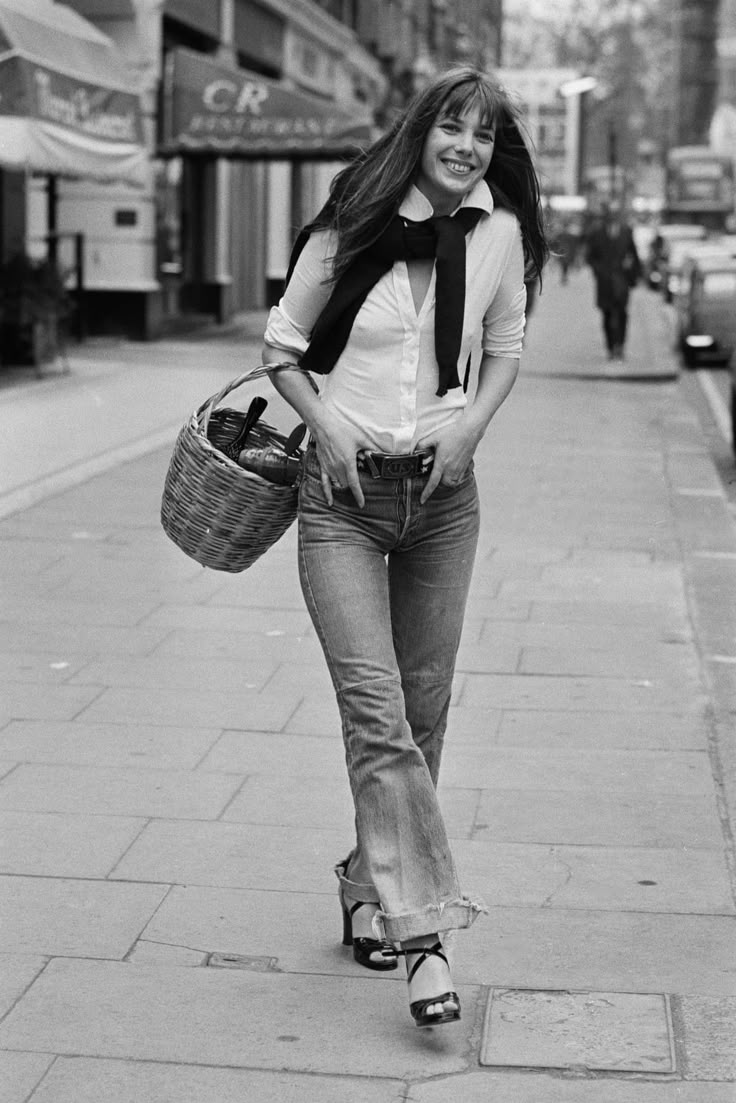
[{"x": 384, "y": 465}]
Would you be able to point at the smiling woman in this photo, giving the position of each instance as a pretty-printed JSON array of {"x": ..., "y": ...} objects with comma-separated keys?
[{"x": 414, "y": 268}]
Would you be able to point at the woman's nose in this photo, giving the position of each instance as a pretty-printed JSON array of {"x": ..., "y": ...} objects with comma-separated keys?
[{"x": 464, "y": 141}]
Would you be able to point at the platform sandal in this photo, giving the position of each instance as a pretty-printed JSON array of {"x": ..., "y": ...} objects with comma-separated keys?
[
  {"x": 418, "y": 1008},
  {"x": 373, "y": 953}
]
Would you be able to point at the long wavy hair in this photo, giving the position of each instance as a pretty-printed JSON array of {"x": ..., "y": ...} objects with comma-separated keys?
[{"x": 366, "y": 195}]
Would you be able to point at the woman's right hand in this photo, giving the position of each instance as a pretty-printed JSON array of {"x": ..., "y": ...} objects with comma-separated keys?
[{"x": 337, "y": 451}]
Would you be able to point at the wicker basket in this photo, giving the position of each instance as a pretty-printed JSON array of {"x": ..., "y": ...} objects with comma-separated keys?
[{"x": 219, "y": 514}]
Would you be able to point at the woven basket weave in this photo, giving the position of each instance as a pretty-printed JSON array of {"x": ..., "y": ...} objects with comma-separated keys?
[{"x": 219, "y": 514}]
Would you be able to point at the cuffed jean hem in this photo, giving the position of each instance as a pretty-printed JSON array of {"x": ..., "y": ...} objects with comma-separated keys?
[
  {"x": 354, "y": 891},
  {"x": 450, "y": 916}
]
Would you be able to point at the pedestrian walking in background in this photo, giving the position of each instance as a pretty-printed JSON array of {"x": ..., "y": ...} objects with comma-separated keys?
[
  {"x": 564, "y": 247},
  {"x": 416, "y": 261},
  {"x": 612, "y": 255}
]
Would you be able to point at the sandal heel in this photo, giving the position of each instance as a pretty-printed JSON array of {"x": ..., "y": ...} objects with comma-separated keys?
[
  {"x": 365, "y": 949},
  {"x": 347, "y": 926}
]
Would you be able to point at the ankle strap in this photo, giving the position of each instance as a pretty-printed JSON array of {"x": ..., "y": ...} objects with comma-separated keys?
[{"x": 423, "y": 953}]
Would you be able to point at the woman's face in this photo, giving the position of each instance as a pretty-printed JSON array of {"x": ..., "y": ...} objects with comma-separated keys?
[{"x": 456, "y": 154}]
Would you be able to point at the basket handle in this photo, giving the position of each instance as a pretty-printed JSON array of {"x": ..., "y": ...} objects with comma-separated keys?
[{"x": 204, "y": 412}]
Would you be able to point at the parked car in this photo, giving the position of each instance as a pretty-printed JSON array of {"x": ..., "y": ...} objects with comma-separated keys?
[
  {"x": 706, "y": 312},
  {"x": 655, "y": 263},
  {"x": 681, "y": 257},
  {"x": 684, "y": 261}
]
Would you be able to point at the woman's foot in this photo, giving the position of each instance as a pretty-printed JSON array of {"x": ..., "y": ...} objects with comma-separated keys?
[
  {"x": 358, "y": 932},
  {"x": 431, "y": 995}
]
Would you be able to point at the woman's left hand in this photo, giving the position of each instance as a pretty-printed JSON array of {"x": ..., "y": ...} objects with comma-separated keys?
[{"x": 454, "y": 447}]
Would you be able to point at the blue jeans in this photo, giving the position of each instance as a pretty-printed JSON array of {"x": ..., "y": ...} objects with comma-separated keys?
[{"x": 386, "y": 587}]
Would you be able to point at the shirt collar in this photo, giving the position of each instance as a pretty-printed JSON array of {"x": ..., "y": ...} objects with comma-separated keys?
[{"x": 417, "y": 207}]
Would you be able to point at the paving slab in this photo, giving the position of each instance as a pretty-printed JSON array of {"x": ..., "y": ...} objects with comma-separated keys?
[
  {"x": 588, "y": 730},
  {"x": 74, "y": 845},
  {"x": 522, "y": 1087},
  {"x": 260, "y": 647},
  {"x": 233, "y": 855},
  {"x": 503, "y": 767},
  {"x": 706, "y": 1029},
  {"x": 112, "y": 745},
  {"x": 266, "y": 924},
  {"x": 20, "y": 1073},
  {"x": 57, "y": 702},
  {"x": 655, "y": 585},
  {"x": 579, "y": 949},
  {"x": 290, "y": 801},
  {"x": 249, "y": 752},
  {"x": 616, "y": 878},
  {"x": 494, "y": 657},
  {"x": 68, "y": 641},
  {"x": 598, "y": 818},
  {"x": 81, "y": 1080},
  {"x": 156, "y": 953},
  {"x": 601, "y": 636},
  {"x": 315, "y": 717},
  {"x": 205, "y": 1017},
  {"x": 193, "y": 707},
  {"x": 174, "y": 672},
  {"x": 474, "y": 726},
  {"x": 17, "y": 972},
  {"x": 665, "y": 662},
  {"x": 538, "y": 691},
  {"x": 73, "y": 918},
  {"x": 233, "y": 621},
  {"x": 44, "y": 609},
  {"x": 627, "y": 615},
  {"x": 172, "y": 794},
  {"x": 601, "y": 1031},
  {"x": 37, "y": 668}
]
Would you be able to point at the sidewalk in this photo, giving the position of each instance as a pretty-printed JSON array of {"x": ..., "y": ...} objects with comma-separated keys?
[{"x": 173, "y": 792}]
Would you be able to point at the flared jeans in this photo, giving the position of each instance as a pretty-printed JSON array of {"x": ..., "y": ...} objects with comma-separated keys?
[{"x": 386, "y": 587}]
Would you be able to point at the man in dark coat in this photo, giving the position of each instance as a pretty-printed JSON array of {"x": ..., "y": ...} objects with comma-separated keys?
[{"x": 612, "y": 255}]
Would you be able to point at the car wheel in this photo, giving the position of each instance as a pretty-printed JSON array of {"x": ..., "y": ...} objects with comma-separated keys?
[{"x": 689, "y": 356}]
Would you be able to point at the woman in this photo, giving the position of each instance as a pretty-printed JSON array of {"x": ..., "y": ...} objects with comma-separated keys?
[{"x": 387, "y": 298}]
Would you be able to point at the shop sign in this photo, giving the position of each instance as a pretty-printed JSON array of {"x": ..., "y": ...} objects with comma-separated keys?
[
  {"x": 217, "y": 109},
  {"x": 36, "y": 92}
]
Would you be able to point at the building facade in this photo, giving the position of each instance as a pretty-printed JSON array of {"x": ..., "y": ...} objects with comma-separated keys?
[{"x": 209, "y": 233}]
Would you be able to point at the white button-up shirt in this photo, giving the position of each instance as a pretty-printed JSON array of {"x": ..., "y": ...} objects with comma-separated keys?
[{"x": 385, "y": 381}]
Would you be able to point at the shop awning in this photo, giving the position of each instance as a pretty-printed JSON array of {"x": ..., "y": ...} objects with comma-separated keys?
[
  {"x": 67, "y": 105},
  {"x": 212, "y": 108}
]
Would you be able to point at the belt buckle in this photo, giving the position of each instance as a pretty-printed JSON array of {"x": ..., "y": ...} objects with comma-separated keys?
[{"x": 401, "y": 467}]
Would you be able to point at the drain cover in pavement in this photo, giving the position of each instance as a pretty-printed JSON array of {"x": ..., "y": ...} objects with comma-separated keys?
[{"x": 596, "y": 1030}]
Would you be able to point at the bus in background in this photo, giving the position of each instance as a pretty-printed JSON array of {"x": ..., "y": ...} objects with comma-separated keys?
[{"x": 699, "y": 188}]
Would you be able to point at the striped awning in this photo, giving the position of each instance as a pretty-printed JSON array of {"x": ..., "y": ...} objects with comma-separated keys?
[{"x": 67, "y": 103}]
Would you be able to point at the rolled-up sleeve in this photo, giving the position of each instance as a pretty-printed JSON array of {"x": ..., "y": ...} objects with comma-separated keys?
[
  {"x": 503, "y": 322},
  {"x": 290, "y": 323}
]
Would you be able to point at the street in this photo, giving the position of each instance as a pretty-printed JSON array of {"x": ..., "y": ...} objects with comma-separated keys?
[{"x": 173, "y": 793}]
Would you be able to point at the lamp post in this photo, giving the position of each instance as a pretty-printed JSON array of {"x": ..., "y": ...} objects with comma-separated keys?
[
  {"x": 612, "y": 158},
  {"x": 575, "y": 91}
]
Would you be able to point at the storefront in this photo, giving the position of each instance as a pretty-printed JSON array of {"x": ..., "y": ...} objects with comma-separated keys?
[
  {"x": 69, "y": 116},
  {"x": 239, "y": 151}
]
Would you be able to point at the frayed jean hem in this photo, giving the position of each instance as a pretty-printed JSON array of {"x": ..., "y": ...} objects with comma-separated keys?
[{"x": 450, "y": 916}]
